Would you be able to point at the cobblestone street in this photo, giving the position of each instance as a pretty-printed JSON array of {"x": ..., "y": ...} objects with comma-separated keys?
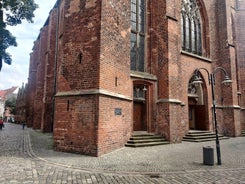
[{"x": 27, "y": 156}]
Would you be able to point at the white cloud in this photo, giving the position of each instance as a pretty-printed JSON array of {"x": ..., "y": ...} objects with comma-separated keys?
[{"x": 25, "y": 33}]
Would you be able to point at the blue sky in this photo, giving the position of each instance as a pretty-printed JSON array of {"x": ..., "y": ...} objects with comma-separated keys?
[{"x": 26, "y": 33}]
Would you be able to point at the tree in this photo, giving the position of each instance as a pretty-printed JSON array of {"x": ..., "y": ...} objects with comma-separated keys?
[
  {"x": 13, "y": 12},
  {"x": 11, "y": 103}
]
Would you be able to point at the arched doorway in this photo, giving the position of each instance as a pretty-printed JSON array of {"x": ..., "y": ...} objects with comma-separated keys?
[
  {"x": 197, "y": 106},
  {"x": 140, "y": 107}
]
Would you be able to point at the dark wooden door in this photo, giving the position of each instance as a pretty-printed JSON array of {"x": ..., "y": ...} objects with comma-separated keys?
[
  {"x": 192, "y": 120},
  {"x": 200, "y": 117},
  {"x": 139, "y": 120}
]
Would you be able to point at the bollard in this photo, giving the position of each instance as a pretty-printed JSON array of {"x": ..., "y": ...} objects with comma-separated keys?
[{"x": 208, "y": 155}]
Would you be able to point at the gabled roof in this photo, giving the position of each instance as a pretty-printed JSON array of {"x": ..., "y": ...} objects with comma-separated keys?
[{"x": 6, "y": 92}]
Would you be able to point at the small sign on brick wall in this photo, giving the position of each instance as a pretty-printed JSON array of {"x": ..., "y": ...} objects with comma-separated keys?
[{"x": 118, "y": 111}]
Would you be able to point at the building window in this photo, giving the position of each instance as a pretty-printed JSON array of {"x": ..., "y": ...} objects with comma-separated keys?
[
  {"x": 191, "y": 27},
  {"x": 139, "y": 92},
  {"x": 137, "y": 55}
]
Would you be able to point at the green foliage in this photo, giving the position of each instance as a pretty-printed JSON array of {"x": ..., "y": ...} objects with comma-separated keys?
[
  {"x": 7, "y": 40},
  {"x": 18, "y": 10},
  {"x": 11, "y": 103},
  {"x": 15, "y": 11}
]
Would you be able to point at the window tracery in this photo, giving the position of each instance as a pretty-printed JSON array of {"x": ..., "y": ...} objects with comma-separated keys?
[
  {"x": 137, "y": 55},
  {"x": 191, "y": 27}
]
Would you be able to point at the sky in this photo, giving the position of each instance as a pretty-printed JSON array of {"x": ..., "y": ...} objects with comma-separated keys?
[{"x": 25, "y": 33}]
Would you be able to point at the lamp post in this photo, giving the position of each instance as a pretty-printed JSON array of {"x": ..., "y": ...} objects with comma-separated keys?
[{"x": 211, "y": 79}]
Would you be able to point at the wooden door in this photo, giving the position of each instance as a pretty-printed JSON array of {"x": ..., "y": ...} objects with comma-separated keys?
[
  {"x": 192, "y": 120},
  {"x": 200, "y": 116},
  {"x": 139, "y": 116}
]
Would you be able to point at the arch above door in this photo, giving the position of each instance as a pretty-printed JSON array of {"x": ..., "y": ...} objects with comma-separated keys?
[{"x": 197, "y": 106}]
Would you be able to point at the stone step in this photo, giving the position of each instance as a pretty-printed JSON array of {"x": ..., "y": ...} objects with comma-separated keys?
[
  {"x": 201, "y": 136},
  {"x": 200, "y": 133},
  {"x": 142, "y": 139},
  {"x": 243, "y": 132},
  {"x": 146, "y": 137},
  {"x": 146, "y": 144},
  {"x": 204, "y": 139},
  {"x": 145, "y": 140}
]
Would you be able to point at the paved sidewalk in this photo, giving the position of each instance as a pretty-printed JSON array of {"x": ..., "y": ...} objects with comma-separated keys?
[
  {"x": 175, "y": 163},
  {"x": 26, "y": 156},
  {"x": 173, "y": 157}
]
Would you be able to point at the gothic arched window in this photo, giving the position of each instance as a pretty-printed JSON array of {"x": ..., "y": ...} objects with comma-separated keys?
[
  {"x": 137, "y": 55},
  {"x": 191, "y": 27}
]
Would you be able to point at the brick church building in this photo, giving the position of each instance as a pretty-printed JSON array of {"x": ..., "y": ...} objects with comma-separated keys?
[{"x": 102, "y": 69}]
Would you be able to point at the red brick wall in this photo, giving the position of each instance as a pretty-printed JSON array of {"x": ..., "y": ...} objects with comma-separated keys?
[
  {"x": 76, "y": 124},
  {"x": 178, "y": 120},
  {"x": 177, "y": 69},
  {"x": 36, "y": 57},
  {"x": 159, "y": 40},
  {"x": 31, "y": 88},
  {"x": 239, "y": 43},
  {"x": 114, "y": 130},
  {"x": 49, "y": 83},
  {"x": 41, "y": 77},
  {"x": 92, "y": 77},
  {"x": 226, "y": 57},
  {"x": 79, "y": 43},
  {"x": 76, "y": 117},
  {"x": 114, "y": 60},
  {"x": 95, "y": 59},
  {"x": 38, "y": 118}
]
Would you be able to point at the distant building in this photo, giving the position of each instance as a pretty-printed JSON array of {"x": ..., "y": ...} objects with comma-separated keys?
[
  {"x": 101, "y": 70},
  {"x": 7, "y": 94}
]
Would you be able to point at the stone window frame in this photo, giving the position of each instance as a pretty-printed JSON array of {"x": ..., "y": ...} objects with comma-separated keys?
[
  {"x": 138, "y": 34},
  {"x": 191, "y": 27}
]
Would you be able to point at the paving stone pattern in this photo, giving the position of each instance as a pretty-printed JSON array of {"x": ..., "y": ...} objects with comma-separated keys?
[{"x": 26, "y": 156}]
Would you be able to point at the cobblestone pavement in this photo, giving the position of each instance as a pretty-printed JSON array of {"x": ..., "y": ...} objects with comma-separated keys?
[{"x": 26, "y": 156}]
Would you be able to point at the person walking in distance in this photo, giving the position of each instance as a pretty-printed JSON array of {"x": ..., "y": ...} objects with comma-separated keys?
[{"x": 23, "y": 124}]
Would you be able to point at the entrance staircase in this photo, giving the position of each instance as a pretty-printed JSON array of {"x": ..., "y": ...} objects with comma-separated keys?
[
  {"x": 243, "y": 132},
  {"x": 201, "y": 136},
  {"x": 143, "y": 139}
]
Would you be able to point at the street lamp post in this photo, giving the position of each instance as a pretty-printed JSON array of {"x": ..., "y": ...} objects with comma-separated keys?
[{"x": 211, "y": 78}]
